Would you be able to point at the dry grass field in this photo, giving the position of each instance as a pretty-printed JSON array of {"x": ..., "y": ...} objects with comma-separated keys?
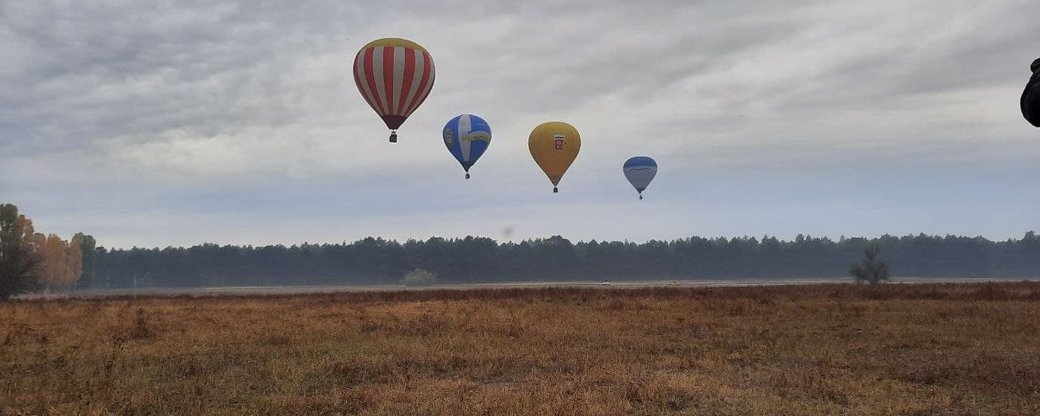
[{"x": 964, "y": 349}]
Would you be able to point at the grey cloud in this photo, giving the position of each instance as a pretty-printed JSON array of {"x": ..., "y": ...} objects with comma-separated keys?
[{"x": 136, "y": 69}]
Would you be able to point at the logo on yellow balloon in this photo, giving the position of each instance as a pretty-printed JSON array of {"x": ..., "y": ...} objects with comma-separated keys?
[{"x": 558, "y": 141}]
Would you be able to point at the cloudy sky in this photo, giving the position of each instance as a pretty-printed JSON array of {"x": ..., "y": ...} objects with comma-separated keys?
[{"x": 179, "y": 122}]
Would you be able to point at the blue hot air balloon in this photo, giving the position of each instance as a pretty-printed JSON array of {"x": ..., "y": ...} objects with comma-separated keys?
[
  {"x": 467, "y": 137},
  {"x": 640, "y": 170}
]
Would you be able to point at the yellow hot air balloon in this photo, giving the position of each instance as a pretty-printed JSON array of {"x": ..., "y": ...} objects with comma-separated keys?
[{"x": 554, "y": 146}]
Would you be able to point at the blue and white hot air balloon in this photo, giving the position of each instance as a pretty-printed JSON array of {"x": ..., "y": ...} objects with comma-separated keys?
[
  {"x": 640, "y": 170},
  {"x": 467, "y": 137}
]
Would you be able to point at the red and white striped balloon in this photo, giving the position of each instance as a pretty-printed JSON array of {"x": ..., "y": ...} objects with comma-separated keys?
[{"x": 395, "y": 76}]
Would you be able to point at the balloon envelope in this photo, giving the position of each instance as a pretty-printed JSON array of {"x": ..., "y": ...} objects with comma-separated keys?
[
  {"x": 467, "y": 137},
  {"x": 640, "y": 170},
  {"x": 394, "y": 76},
  {"x": 554, "y": 146}
]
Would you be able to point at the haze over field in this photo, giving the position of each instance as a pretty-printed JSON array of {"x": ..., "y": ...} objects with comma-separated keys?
[{"x": 237, "y": 122}]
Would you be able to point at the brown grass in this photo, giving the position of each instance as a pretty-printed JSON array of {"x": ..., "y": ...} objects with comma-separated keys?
[{"x": 970, "y": 349}]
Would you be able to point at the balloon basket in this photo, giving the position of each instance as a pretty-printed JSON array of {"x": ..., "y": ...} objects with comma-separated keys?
[
  {"x": 467, "y": 176},
  {"x": 556, "y": 190},
  {"x": 393, "y": 136}
]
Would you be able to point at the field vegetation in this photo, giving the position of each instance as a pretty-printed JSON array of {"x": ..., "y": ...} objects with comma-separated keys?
[{"x": 966, "y": 349}]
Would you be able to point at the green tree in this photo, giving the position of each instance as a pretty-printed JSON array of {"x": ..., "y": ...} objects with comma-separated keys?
[
  {"x": 19, "y": 262},
  {"x": 872, "y": 269},
  {"x": 88, "y": 246}
]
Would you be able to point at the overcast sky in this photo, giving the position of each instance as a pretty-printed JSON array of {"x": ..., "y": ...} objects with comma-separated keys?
[{"x": 162, "y": 123}]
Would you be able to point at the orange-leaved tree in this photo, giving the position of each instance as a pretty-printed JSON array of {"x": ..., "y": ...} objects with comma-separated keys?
[{"x": 62, "y": 262}]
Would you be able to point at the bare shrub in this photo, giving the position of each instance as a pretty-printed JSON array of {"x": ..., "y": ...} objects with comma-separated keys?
[
  {"x": 420, "y": 277},
  {"x": 140, "y": 329},
  {"x": 872, "y": 269}
]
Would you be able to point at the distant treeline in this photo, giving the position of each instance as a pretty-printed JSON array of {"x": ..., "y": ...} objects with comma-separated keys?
[{"x": 477, "y": 259}]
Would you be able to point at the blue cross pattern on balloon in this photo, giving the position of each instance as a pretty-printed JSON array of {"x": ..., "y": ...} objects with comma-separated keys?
[{"x": 467, "y": 137}]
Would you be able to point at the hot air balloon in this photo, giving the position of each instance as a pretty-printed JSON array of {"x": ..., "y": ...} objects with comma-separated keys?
[
  {"x": 395, "y": 76},
  {"x": 640, "y": 170},
  {"x": 1030, "y": 101},
  {"x": 467, "y": 137},
  {"x": 554, "y": 146}
]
